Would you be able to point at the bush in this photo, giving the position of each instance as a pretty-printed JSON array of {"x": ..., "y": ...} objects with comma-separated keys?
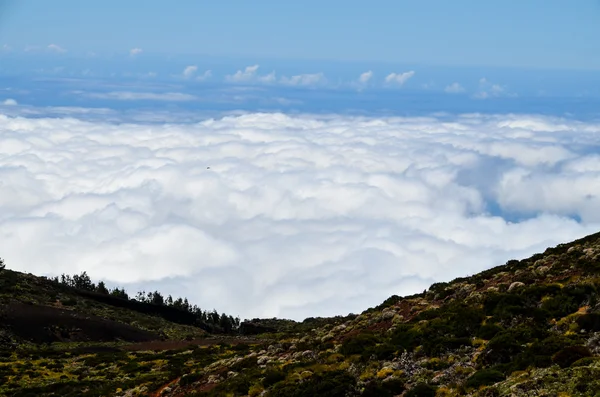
[
  {"x": 388, "y": 388},
  {"x": 189, "y": 379},
  {"x": 586, "y": 361},
  {"x": 589, "y": 322},
  {"x": 485, "y": 377},
  {"x": 488, "y": 331},
  {"x": 421, "y": 390},
  {"x": 571, "y": 354},
  {"x": 273, "y": 376},
  {"x": 330, "y": 384},
  {"x": 358, "y": 344}
]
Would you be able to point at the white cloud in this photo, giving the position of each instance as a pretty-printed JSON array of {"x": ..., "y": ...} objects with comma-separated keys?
[
  {"x": 454, "y": 88},
  {"x": 309, "y": 79},
  {"x": 9, "y": 102},
  {"x": 135, "y": 51},
  {"x": 140, "y": 96},
  {"x": 6, "y": 47},
  {"x": 190, "y": 71},
  {"x": 399, "y": 78},
  {"x": 365, "y": 77},
  {"x": 56, "y": 48},
  {"x": 297, "y": 215},
  {"x": 488, "y": 89},
  {"x": 248, "y": 74}
]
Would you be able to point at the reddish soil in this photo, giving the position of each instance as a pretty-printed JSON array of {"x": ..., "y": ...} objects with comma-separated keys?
[
  {"x": 180, "y": 344},
  {"x": 46, "y": 324}
]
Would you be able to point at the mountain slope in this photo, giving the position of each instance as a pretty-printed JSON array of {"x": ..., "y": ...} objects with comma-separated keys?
[{"x": 529, "y": 327}]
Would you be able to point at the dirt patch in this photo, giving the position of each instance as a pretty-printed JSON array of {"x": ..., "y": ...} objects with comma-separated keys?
[
  {"x": 180, "y": 344},
  {"x": 46, "y": 324}
]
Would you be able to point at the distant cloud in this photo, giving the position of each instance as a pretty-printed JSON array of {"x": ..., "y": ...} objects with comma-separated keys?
[
  {"x": 365, "y": 77},
  {"x": 143, "y": 96},
  {"x": 454, "y": 88},
  {"x": 6, "y": 47},
  {"x": 399, "y": 78},
  {"x": 190, "y": 71},
  {"x": 247, "y": 74},
  {"x": 488, "y": 89},
  {"x": 56, "y": 48},
  {"x": 135, "y": 51},
  {"x": 250, "y": 74},
  {"x": 303, "y": 79},
  {"x": 9, "y": 102}
]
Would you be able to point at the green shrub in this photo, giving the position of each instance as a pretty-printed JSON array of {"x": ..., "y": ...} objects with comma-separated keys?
[
  {"x": 488, "y": 331},
  {"x": 388, "y": 388},
  {"x": 358, "y": 344},
  {"x": 273, "y": 376},
  {"x": 421, "y": 390},
  {"x": 589, "y": 322},
  {"x": 571, "y": 354},
  {"x": 407, "y": 337},
  {"x": 485, "y": 377},
  {"x": 190, "y": 378},
  {"x": 330, "y": 384}
]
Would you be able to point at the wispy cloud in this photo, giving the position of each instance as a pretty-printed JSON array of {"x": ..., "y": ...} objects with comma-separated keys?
[
  {"x": 297, "y": 215},
  {"x": 488, "y": 89},
  {"x": 248, "y": 74},
  {"x": 135, "y": 51},
  {"x": 454, "y": 88},
  {"x": 190, "y": 71},
  {"x": 309, "y": 79},
  {"x": 9, "y": 102},
  {"x": 56, "y": 48},
  {"x": 399, "y": 78},
  {"x": 143, "y": 96},
  {"x": 365, "y": 77}
]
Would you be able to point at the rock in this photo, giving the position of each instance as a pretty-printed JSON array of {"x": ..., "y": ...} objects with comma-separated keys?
[
  {"x": 262, "y": 360},
  {"x": 214, "y": 379},
  {"x": 516, "y": 284}
]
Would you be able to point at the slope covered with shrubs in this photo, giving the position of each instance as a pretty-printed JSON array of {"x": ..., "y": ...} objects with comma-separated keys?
[{"x": 530, "y": 327}]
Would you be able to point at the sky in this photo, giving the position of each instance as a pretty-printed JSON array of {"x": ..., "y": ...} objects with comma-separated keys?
[
  {"x": 534, "y": 34},
  {"x": 294, "y": 160}
]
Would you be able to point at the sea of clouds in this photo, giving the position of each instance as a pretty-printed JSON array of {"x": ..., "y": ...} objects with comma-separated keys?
[{"x": 267, "y": 214}]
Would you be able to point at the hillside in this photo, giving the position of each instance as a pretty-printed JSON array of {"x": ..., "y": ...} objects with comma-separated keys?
[{"x": 527, "y": 328}]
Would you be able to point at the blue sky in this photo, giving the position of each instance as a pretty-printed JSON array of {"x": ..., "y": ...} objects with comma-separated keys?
[{"x": 535, "y": 33}]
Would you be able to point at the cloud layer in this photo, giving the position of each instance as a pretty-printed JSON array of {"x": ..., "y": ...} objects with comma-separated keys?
[{"x": 274, "y": 215}]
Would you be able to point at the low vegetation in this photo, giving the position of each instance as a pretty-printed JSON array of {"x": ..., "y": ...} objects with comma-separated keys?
[{"x": 530, "y": 327}]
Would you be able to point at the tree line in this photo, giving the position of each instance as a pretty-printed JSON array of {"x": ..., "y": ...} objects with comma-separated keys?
[{"x": 208, "y": 320}]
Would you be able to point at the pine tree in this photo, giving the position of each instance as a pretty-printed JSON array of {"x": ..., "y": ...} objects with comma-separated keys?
[{"x": 101, "y": 288}]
